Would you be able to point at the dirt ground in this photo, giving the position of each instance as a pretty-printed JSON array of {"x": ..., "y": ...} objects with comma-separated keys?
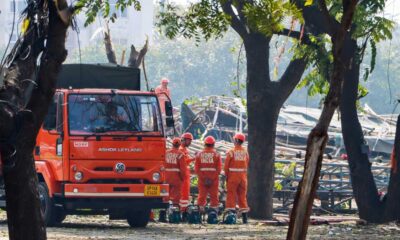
[{"x": 100, "y": 228}]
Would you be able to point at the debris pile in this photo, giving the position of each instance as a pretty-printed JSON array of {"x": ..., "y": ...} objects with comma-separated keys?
[{"x": 221, "y": 117}]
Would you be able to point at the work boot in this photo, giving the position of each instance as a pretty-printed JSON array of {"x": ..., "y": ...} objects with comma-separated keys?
[
  {"x": 184, "y": 216},
  {"x": 162, "y": 216},
  {"x": 244, "y": 218}
]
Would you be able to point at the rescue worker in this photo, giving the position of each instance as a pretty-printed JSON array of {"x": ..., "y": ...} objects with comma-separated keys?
[
  {"x": 163, "y": 87},
  {"x": 175, "y": 173},
  {"x": 208, "y": 167},
  {"x": 163, "y": 94},
  {"x": 235, "y": 167},
  {"x": 186, "y": 140}
]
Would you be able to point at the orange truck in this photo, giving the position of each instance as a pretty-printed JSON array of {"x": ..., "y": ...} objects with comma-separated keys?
[{"x": 101, "y": 150}]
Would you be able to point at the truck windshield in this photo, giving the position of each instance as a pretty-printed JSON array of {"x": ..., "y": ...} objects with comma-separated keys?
[{"x": 113, "y": 114}]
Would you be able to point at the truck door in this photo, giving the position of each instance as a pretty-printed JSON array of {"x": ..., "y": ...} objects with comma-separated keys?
[{"x": 50, "y": 138}]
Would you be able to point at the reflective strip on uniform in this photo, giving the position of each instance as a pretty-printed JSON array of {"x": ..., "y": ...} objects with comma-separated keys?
[
  {"x": 184, "y": 203},
  {"x": 172, "y": 170},
  {"x": 244, "y": 210},
  {"x": 208, "y": 169},
  {"x": 237, "y": 169}
]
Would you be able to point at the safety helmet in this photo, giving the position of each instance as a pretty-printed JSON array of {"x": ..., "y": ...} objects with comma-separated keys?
[
  {"x": 164, "y": 80},
  {"x": 240, "y": 136},
  {"x": 187, "y": 135},
  {"x": 176, "y": 141},
  {"x": 210, "y": 140}
]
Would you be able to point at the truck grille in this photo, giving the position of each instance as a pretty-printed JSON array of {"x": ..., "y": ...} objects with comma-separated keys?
[{"x": 119, "y": 181}]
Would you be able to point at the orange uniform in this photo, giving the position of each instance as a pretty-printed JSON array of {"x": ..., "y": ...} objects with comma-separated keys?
[
  {"x": 175, "y": 173},
  {"x": 163, "y": 95},
  {"x": 162, "y": 90},
  {"x": 236, "y": 164},
  {"x": 185, "y": 193},
  {"x": 208, "y": 167}
]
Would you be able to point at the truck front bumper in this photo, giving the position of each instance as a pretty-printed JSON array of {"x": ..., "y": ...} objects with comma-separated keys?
[{"x": 113, "y": 196}]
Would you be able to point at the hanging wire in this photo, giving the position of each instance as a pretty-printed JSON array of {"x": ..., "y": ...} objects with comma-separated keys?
[
  {"x": 9, "y": 39},
  {"x": 75, "y": 27}
]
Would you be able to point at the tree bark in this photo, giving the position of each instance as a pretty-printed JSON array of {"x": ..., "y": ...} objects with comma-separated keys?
[
  {"x": 111, "y": 57},
  {"x": 264, "y": 101},
  {"x": 362, "y": 180},
  {"x": 23, "y": 207},
  {"x": 262, "y": 117},
  {"x": 392, "y": 206}
]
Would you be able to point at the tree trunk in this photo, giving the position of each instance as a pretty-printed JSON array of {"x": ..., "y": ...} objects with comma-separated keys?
[
  {"x": 111, "y": 57},
  {"x": 302, "y": 207},
  {"x": 262, "y": 117},
  {"x": 392, "y": 206},
  {"x": 362, "y": 180},
  {"x": 23, "y": 207}
]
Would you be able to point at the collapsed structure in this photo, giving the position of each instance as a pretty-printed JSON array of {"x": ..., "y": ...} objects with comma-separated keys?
[{"x": 221, "y": 117}]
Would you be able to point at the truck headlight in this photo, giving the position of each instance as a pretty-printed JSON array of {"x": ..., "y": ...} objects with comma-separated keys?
[
  {"x": 156, "y": 177},
  {"x": 78, "y": 176}
]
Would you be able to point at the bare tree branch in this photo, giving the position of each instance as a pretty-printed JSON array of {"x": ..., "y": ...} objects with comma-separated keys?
[
  {"x": 135, "y": 57},
  {"x": 108, "y": 45},
  {"x": 291, "y": 76}
]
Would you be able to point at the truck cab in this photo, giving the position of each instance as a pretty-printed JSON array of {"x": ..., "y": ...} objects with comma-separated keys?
[{"x": 101, "y": 151}]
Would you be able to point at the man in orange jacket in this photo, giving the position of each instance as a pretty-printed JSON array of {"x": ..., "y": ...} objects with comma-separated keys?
[
  {"x": 186, "y": 140},
  {"x": 236, "y": 164},
  {"x": 208, "y": 167},
  {"x": 163, "y": 94},
  {"x": 163, "y": 87},
  {"x": 175, "y": 171}
]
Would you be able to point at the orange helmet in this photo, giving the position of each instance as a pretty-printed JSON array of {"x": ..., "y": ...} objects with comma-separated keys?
[
  {"x": 187, "y": 135},
  {"x": 240, "y": 136},
  {"x": 210, "y": 140},
  {"x": 176, "y": 141},
  {"x": 164, "y": 80}
]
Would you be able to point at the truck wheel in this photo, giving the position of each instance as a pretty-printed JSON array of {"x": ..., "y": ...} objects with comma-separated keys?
[
  {"x": 46, "y": 205},
  {"x": 138, "y": 219}
]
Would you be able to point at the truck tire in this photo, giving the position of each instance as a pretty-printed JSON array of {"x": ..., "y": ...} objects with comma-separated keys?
[
  {"x": 46, "y": 205},
  {"x": 138, "y": 219}
]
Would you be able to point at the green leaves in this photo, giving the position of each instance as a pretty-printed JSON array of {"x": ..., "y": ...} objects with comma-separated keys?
[
  {"x": 202, "y": 19},
  {"x": 206, "y": 18},
  {"x": 267, "y": 16},
  {"x": 105, "y": 8}
]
